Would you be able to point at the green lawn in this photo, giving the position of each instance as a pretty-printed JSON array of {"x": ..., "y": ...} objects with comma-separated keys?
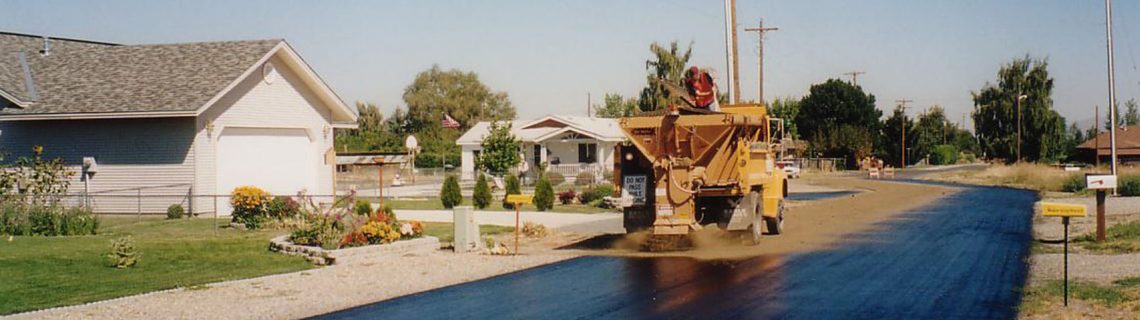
[
  {"x": 445, "y": 232},
  {"x": 433, "y": 203},
  {"x": 1041, "y": 298},
  {"x": 1120, "y": 238},
  {"x": 43, "y": 272}
]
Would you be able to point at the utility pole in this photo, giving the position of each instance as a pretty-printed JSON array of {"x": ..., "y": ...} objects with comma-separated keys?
[
  {"x": 854, "y": 76},
  {"x": 1096, "y": 143},
  {"x": 902, "y": 103},
  {"x": 1100, "y": 219},
  {"x": 760, "y": 30},
  {"x": 1111, "y": 93},
  {"x": 735, "y": 55},
  {"x": 943, "y": 131},
  {"x": 589, "y": 108},
  {"x": 730, "y": 49},
  {"x": 1017, "y": 101}
]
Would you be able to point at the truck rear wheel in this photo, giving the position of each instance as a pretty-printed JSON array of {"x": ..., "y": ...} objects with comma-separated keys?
[
  {"x": 756, "y": 229},
  {"x": 776, "y": 225}
]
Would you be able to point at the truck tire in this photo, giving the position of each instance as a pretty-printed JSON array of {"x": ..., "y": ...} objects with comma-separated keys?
[
  {"x": 756, "y": 230},
  {"x": 776, "y": 225}
]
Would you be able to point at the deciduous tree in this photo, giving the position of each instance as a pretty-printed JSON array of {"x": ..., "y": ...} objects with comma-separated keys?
[
  {"x": 616, "y": 106},
  {"x": 500, "y": 149},
  {"x": 668, "y": 65},
  {"x": 996, "y": 115},
  {"x": 787, "y": 109},
  {"x": 839, "y": 120}
]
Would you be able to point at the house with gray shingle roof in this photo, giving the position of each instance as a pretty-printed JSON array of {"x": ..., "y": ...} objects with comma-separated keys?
[
  {"x": 566, "y": 144},
  {"x": 172, "y": 122}
]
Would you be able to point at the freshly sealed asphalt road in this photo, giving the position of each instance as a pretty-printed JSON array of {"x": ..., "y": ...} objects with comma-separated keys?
[{"x": 960, "y": 258}]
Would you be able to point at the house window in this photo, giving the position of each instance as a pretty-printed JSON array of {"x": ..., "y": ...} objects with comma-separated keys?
[
  {"x": 587, "y": 152},
  {"x": 537, "y": 154}
]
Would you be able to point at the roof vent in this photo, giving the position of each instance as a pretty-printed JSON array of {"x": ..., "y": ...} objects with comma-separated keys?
[{"x": 47, "y": 48}]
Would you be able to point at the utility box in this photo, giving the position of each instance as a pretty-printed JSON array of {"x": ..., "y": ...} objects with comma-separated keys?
[{"x": 466, "y": 230}]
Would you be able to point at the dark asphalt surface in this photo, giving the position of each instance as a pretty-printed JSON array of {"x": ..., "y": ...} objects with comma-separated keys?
[{"x": 962, "y": 258}]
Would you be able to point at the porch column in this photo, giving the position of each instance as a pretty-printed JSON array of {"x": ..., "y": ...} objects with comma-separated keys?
[{"x": 542, "y": 153}]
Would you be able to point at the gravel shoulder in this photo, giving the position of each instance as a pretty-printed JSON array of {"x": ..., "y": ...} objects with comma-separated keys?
[{"x": 1101, "y": 269}]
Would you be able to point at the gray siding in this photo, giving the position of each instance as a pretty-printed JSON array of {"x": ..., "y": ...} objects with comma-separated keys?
[{"x": 149, "y": 156}]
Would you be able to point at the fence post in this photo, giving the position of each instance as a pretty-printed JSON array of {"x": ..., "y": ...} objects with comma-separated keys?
[
  {"x": 138, "y": 204},
  {"x": 215, "y": 198}
]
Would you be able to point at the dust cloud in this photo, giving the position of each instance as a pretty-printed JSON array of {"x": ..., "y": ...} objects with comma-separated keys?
[{"x": 810, "y": 226}]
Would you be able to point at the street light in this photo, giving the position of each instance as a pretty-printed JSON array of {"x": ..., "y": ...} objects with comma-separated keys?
[{"x": 1018, "y": 103}]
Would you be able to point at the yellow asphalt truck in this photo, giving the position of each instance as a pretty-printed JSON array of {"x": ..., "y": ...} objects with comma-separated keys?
[{"x": 689, "y": 167}]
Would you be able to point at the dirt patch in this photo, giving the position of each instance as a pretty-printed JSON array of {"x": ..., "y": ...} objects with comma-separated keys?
[{"x": 812, "y": 226}]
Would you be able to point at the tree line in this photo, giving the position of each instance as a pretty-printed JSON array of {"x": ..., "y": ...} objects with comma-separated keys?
[
  {"x": 836, "y": 118},
  {"x": 431, "y": 95}
]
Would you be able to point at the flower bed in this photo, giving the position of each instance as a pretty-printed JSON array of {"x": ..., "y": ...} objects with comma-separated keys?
[{"x": 320, "y": 256}]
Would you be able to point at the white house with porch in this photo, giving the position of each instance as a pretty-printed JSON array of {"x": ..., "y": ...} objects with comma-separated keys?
[{"x": 567, "y": 144}]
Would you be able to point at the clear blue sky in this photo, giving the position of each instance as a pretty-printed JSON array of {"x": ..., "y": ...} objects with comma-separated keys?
[{"x": 549, "y": 54}]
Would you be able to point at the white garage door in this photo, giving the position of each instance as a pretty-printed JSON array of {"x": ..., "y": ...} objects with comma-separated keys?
[{"x": 280, "y": 161}]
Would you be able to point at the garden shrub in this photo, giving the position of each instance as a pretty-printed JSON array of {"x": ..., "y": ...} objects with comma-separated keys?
[
  {"x": 512, "y": 187},
  {"x": 123, "y": 253},
  {"x": 249, "y": 204},
  {"x": 1074, "y": 183},
  {"x": 482, "y": 194},
  {"x": 584, "y": 179},
  {"x": 534, "y": 230},
  {"x": 944, "y": 154},
  {"x": 362, "y": 207},
  {"x": 76, "y": 221},
  {"x": 554, "y": 178},
  {"x": 967, "y": 157},
  {"x": 29, "y": 189},
  {"x": 1129, "y": 186},
  {"x": 567, "y": 197},
  {"x": 46, "y": 220},
  {"x": 175, "y": 211},
  {"x": 14, "y": 220},
  {"x": 319, "y": 229},
  {"x": 282, "y": 207},
  {"x": 543, "y": 195},
  {"x": 595, "y": 193},
  {"x": 449, "y": 195}
]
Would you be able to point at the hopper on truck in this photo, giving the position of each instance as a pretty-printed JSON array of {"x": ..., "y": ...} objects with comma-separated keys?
[{"x": 689, "y": 167}]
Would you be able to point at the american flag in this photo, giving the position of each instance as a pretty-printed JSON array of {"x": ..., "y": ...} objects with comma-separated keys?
[{"x": 449, "y": 122}]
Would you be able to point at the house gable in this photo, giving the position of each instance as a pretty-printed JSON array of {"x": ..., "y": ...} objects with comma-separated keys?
[
  {"x": 547, "y": 122},
  {"x": 281, "y": 60}
]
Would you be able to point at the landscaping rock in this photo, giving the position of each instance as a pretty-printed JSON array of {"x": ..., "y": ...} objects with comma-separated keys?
[{"x": 321, "y": 256}]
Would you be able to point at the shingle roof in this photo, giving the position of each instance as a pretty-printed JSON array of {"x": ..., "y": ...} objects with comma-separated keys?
[
  {"x": 1127, "y": 142},
  {"x": 604, "y": 128},
  {"x": 89, "y": 77}
]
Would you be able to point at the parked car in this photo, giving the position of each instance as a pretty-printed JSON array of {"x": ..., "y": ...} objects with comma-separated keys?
[{"x": 789, "y": 168}]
